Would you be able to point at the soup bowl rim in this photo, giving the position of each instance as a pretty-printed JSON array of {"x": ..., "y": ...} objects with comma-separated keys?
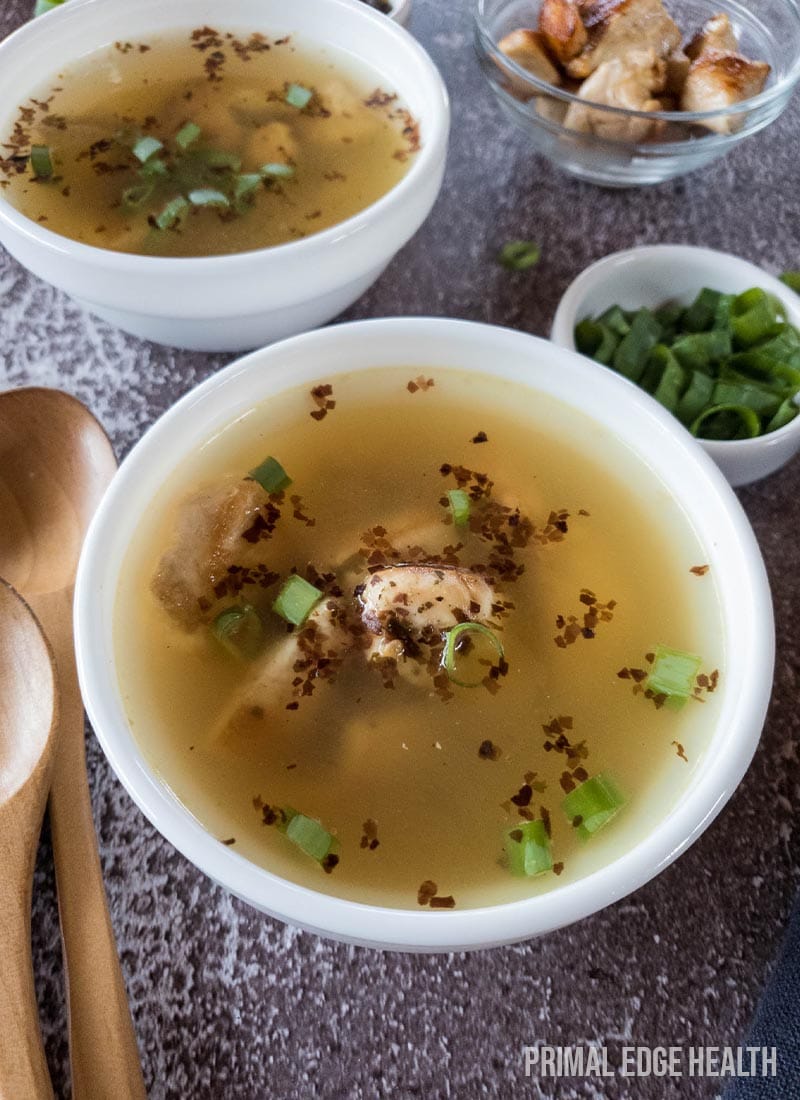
[
  {"x": 217, "y": 402},
  {"x": 425, "y": 162}
]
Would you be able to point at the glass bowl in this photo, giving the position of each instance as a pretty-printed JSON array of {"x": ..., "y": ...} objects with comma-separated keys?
[{"x": 682, "y": 143}]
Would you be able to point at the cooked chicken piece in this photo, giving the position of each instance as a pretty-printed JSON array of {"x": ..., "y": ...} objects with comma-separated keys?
[
  {"x": 553, "y": 110},
  {"x": 629, "y": 82},
  {"x": 270, "y": 144},
  {"x": 209, "y": 537},
  {"x": 717, "y": 80},
  {"x": 348, "y": 120},
  {"x": 528, "y": 50},
  {"x": 717, "y": 34},
  {"x": 413, "y": 601},
  {"x": 562, "y": 28},
  {"x": 618, "y": 27},
  {"x": 678, "y": 65},
  {"x": 289, "y": 670}
]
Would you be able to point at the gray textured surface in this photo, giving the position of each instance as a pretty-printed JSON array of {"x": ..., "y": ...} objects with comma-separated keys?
[{"x": 229, "y": 1003}]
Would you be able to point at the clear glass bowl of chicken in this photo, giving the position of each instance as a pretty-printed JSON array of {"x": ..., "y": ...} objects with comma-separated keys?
[{"x": 630, "y": 92}]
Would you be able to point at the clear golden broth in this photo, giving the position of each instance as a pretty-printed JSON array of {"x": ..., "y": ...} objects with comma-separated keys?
[
  {"x": 349, "y": 147},
  {"x": 405, "y": 758}
]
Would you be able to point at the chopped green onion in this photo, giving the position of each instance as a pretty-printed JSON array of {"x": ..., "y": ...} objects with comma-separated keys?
[
  {"x": 43, "y": 6},
  {"x": 155, "y": 166},
  {"x": 697, "y": 350},
  {"x": 527, "y": 847},
  {"x": 462, "y": 632},
  {"x": 668, "y": 377},
  {"x": 785, "y": 415},
  {"x": 208, "y": 196},
  {"x": 459, "y": 506},
  {"x": 753, "y": 317},
  {"x": 630, "y": 357},
  {"x": 239, "y": 630},
  {"x": 175, "y": 210},
  {"x": 792, "y": 280},
  {"x": 218, "y": 158},
  {"x": 277, "y": 171},
  {"x": 187, "y": 135},
  {"x": 271, "y": 476},
  {"x": 41, "y": 162},
  {"x": 244, "y": 190},
  {"x": 726, "y": 422},
  {"x": 298, "y": 96},
  {"x": 310, "y": 836},
  {"x": 696, "y": 397},
  {"x": 732, "y": 391},
  {"x": 593, "y": 804},
  {"x": 137, "y": 195},
  {"x": 296, "y": 600},
  {"x": 700, "y": 315},
  {"x": 616, "y": 320},
  {"x": 673, "y": 674},
  {"x": 597, "y": 340},
  {"x": 519, "y": 255},
  {"x": 146, "y": 147}
]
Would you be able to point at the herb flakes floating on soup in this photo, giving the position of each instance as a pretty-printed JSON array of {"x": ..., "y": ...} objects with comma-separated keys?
[
  {"x": 367, "y": 667},
  {"x": 246, "y": 143}
]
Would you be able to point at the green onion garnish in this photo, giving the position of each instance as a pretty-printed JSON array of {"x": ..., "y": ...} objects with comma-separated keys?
[
  {"x": 792, "y": 280},
  {"x": 43, "y": 6},
  {"x": 593, "y": 804},
  {"x": 239, "y": 630},
  {"x": 519, "y": 255},
  {"x": 313, "y": 838},
  {"x": 459, "y": 506},
  {"x": 450, "y": 654},
  {"x": 173, "y": 212},
  {"x": 245, "y": 187},
  {"x": 726, "y": 365},
  {"x": 527, "y": 846},
  {"x": 187, "y": 135},
  {"x": 146, "y": 147},
  {"x": 298, "y": 96},
  {"x": 296, "y": 600},
  {"x": 271, "y": 476},
  {"x": 673, "y": 674},
  {"x": 208, "y": 196},
  {"x": 154, "y": 167},
  {"x": 218, "y": 158},
  {"x": 41, "y": 162},
  {"x": 277, "y": 171},
  {"x": 137, "y": 195}
]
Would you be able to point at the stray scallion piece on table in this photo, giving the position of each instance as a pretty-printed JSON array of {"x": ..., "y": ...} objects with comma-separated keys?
[
  {"x": 519, "y": 255},
  {"x": 728, "y": 366}
]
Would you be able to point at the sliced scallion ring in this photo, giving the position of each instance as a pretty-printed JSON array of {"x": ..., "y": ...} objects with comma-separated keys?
[
  {"x": 41, "y": 162},
  {"x": 146, "y": 147},
  {"x": 187, "y": 135},
  {"x": 208, "y": 196},
  {"x": 527, "y": 848},
  {"x": 240, "y": 631},
  {"x": 271, "y": 476},
  {"x": 593, "y": 804},
  {"x": 173, "y": 213},
  {"x": 673, "y": 674},
  {"x": 298, "y": 96},
  {"x": 296, "y": 600},
  {"x": 459, "y": 506},
  {"x": 310, "y": 836},
  {"x": 450, "y": 654}
]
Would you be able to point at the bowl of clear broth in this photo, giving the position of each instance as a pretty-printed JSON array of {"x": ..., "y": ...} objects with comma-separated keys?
[
  {"x": 424, "y": 634},
  {"x": 214, "y": 179}
]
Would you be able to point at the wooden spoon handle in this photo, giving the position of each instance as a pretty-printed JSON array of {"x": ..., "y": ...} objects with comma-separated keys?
[
  {"x": 23, "y": 1068},
  {"x": 103, "y": 1054}
]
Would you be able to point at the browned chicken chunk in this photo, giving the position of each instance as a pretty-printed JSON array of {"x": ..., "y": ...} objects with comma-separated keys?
[
  {"x": 562, "y": 28},
  {"x": 631, "y": 83},
  {"x": 418, "y": 600},
  {"x": 527, "y": 49},
  {"x": 616, "y": 27},
  {"x": 211, "y": 534},
  {"x": 717, "y": 34},
  {"x": 718, "y": 80}
]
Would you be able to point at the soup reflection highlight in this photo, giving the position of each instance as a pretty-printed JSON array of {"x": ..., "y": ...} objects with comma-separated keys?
[{"x": 420, "y": 640}]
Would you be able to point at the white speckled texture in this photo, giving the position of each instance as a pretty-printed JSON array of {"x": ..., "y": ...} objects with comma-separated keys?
[{"x": 230, "y": 1004}]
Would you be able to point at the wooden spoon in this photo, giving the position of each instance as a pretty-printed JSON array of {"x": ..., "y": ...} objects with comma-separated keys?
[
  {"x": 28, "y": 717},
  {"x": 55, "y": 464}
]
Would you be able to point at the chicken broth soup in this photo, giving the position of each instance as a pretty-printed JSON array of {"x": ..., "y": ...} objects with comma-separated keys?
[
  {"x": 205, "y": 143},
  {"x": 420, "y": 640}
]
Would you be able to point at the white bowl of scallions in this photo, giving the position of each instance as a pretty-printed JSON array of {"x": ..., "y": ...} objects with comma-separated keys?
[{"x": 712, "y": 337}]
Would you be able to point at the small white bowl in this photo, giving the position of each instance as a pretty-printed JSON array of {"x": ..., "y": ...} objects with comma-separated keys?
[
  {"x": 655, "y": 274},
  {"x": 233, "y": 302},
  {"x": 654, "y": 438}
]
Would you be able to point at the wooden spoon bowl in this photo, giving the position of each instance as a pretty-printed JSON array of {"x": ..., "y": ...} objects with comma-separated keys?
[{"x": 28, "y": 718}]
